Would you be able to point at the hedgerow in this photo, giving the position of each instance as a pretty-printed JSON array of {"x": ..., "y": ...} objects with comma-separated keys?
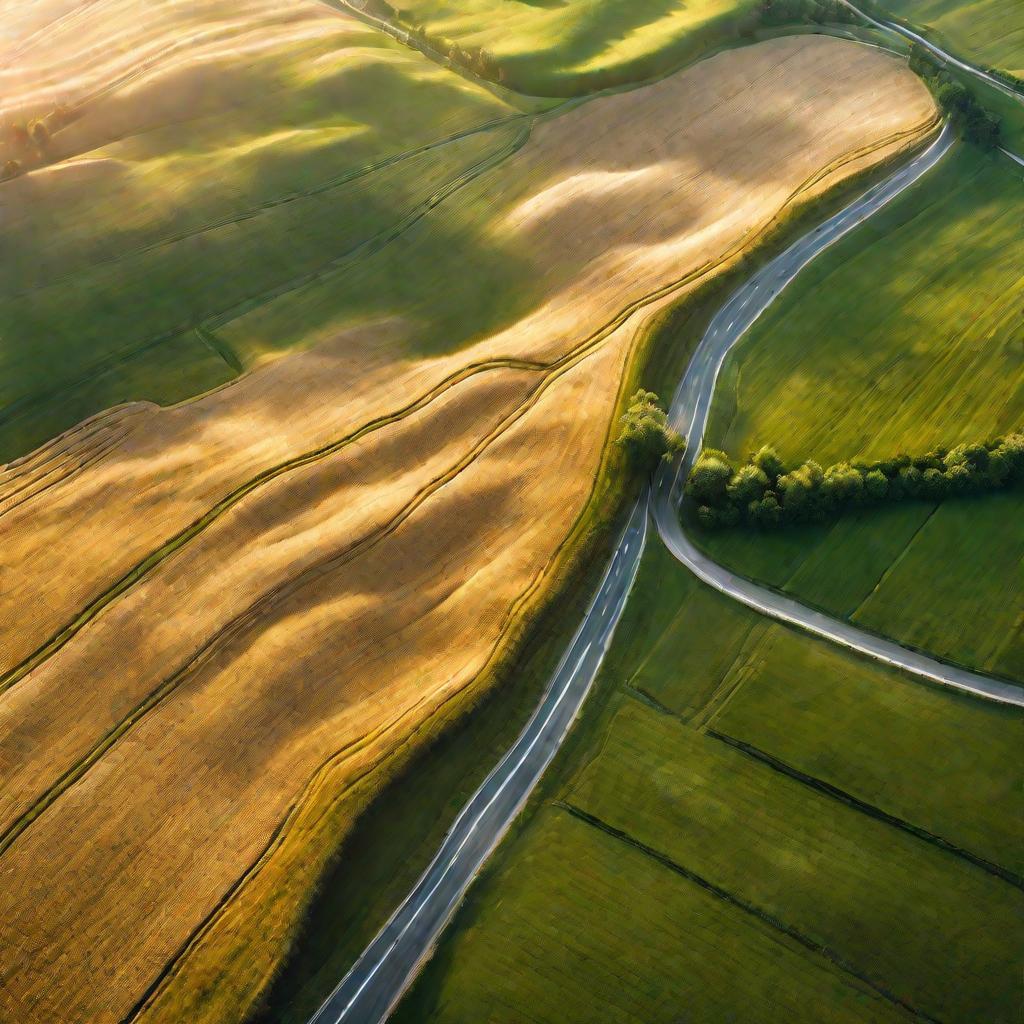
[{"x": 764, "y": 492}]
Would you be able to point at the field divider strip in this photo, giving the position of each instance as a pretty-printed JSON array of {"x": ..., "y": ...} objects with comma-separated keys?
[
  {"x": 732, "y": 899},
  {"x": 892, "y": 566},
  {"x": 638, "y": 693},
  {"x": 841, "y": 795}
]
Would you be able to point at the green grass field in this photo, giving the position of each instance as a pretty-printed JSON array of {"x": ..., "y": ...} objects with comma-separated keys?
[
  {"x": 665, "y": 874},
  {"x": 868, "y": 351},
  {"x": 959, "y": 771},
  {"x": 986, "y": 32},
  {"x": 907, "y": 334},
  {"x": 116, "y": 260},
  {"x": 567, "y": 47}
]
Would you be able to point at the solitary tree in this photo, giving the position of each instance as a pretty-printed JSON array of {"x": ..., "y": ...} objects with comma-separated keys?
[{"x": 645, "y": 433}]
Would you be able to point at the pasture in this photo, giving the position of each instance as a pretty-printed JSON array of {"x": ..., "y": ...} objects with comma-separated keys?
[
  {"x": 986, "y": 32},
  {"x": 914, "y": 320},
  {"x": 652, "y": 802},
  {"x": 557, "y": 49}
]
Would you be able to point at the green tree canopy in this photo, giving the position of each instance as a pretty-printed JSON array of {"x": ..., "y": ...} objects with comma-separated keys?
[{"x": 645, "y": 433}]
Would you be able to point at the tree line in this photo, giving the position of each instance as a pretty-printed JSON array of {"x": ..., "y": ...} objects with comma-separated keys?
[
  {"x": 786, "y": 12},
  {"x": 972, "y": 121},
  {"x": 765, "y": 493}
]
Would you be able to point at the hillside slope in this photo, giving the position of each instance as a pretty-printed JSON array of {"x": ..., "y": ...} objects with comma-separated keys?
[{"x": 373, "y": 515}]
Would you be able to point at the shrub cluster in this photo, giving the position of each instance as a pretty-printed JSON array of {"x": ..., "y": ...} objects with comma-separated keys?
[
  {"x": 646, "y": 435},
  {"x": 765, "y": 493},
  {"x": 969, "y": 117}
]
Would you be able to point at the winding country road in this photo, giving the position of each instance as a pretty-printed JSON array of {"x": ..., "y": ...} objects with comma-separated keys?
[
  {"x": 937, "y": 51},
  {"x": 688, "y": 413},
  {"x": 379, "y": 977}
]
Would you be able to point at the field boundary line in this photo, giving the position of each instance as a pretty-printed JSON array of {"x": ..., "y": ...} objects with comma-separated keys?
[
  {"x": 638, "y": 693},
  {"x": 871, "y": 810},
  {"x": 810, "y": 944},
  {"x": 891, "y": 567},
  {"x": 734, "y": 675}
]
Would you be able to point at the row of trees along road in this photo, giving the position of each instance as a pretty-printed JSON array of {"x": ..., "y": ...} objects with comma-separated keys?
[{"x": 765, "y": 493}]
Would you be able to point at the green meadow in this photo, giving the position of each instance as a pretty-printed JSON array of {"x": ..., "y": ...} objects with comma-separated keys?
[
  {"x": 962, "y": 780},
  {"x": 907, "y": 334},
  {"x": 750, "y": 825},
  {"x": 986, "y": 32},
  {"x": 567, "y": 47},
  {"x": 115, "y": 261}
]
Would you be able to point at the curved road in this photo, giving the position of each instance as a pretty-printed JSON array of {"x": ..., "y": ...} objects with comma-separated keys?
[
  {"x": 947, "y": 58},
  {"x": 688, "y": 413},
  {"x": 379, "y": 977}
]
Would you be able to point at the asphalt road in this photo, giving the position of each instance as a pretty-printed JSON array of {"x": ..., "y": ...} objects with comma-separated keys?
[
  {"x": 688, "y": 413},
  {"x": 368, "y": 992},
  {"x": 947, "y": 58}
]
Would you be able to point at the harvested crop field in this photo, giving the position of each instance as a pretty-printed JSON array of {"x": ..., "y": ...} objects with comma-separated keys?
[{"x": 224, "y": 619}]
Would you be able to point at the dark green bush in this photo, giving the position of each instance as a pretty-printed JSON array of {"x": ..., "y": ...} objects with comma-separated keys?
[{"x": 646, "y": 435}]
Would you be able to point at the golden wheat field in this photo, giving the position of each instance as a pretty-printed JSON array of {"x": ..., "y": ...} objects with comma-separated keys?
[{"x": 221, "y": 620}]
